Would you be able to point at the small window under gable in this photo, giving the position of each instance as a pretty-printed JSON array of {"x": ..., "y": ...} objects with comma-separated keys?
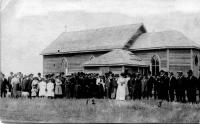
[{"x": 91, "y": 57}]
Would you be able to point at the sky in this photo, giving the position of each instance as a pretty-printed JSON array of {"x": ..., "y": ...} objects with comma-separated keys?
[{"x": 28, "y": 26}]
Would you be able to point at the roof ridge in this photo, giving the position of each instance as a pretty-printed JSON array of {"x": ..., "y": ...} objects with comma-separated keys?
[{"x": 99, "y": 28}]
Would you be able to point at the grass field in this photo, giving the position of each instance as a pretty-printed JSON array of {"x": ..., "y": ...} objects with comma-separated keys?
[{"x": 64, "y": 110}]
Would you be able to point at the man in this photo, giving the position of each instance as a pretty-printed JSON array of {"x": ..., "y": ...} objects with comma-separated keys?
[
  {"x": 165, "y": 87},
  {"x": 9, "y": 81},
  {"x": 30, "y": 79},
  {"x": 138, "y": 87},
  {"x": 108, "y": 86},
  {"x": 15, "y": 84},
  {"x": 150, "y": 83},
  {"x": 180, "y": 87},
  {"x": 4, "y": 86},
  {"x": 131, "y": 85},
  {"x": 191, "y": 87},
  {"x": 172, "y": 83}
]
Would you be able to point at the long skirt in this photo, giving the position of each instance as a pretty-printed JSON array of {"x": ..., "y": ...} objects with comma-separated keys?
[{"x": 58, "y": 90}]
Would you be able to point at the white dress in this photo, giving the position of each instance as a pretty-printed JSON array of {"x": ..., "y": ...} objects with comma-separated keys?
[
  {"x": 121, "y": 89},
  {"x": 42, "y": 88},
  {"x": 50, "y": 89}
]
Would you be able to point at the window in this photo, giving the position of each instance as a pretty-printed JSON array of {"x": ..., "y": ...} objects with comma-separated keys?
[
  {"x": 196, "y": 60},
  {"x": 92, "y": 57},
  {"x": 155, "y": 65},
  {"x": 64, "y": 66}
]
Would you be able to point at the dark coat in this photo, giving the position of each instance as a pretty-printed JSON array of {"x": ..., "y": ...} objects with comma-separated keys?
[{"x": 172, "y": 83}]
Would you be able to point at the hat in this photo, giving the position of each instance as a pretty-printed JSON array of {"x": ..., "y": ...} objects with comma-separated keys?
[{"x": 190, "y": 72}]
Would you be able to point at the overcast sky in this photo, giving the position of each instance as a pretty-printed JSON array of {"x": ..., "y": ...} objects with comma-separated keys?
[{"x": 28, "y": 26}]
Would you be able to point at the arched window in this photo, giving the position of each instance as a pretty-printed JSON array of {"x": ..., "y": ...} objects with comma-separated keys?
[
  {"x": 196, "y": 60},
  {"x": 155, "y": 65},
  {"x": 64, "y": 65}
]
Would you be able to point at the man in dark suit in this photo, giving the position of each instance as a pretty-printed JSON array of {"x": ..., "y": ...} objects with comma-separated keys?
[
  {"x": 131, "y": 85},
  {"x": 4, "y": 84},
  {"x": 180, "y": 87},
  {"x": 191, "y": 87},
  {"x": 172, "y": 82},
  {"x": 150, "y": 82},
  {"x": 165, "y": 86}
]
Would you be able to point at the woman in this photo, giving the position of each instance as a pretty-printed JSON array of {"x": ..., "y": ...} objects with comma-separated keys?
[
  {"x": 127, "y": 78},
  {"x": 58, "y": 87},
  {"x": 50, "y": 89},
  {"x": 42, "y": 88},
  {"x": 34, "y": 90},
  {"x": 121, "y": 89}
]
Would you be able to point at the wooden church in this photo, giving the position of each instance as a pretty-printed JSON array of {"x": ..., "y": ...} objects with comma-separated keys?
[{"x": 120, "y": 48}]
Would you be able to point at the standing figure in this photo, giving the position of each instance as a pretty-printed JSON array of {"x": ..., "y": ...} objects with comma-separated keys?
[
  {"x": 138, "y": 87},
  {"x": 180, "y": 87},
  {"x": 144, "y": 86},
  {"x": 131, "y": 86},
  {"x": 121, "y": 89},
  {"x": 114, "y": 87},
  {"x": 58, "y": 87},
  {"x": 15, "y": 86},
  {"x": 191, "y": 87},
  {"x": 50, "y": 89},
  {"x": 42, "y": 88},
  {"x": 150, "y": 83},
  {"x": 34, "y": 90},
  {"x": 172, "y": 83}
]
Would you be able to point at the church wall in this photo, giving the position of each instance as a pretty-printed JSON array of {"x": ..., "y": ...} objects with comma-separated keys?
[{"x": 53, "y": 63}]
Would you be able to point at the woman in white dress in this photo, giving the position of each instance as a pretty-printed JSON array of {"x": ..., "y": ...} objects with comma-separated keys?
[
  {"x": 50, "y": 89},
  {"x": 42, "y": 88},
  {"x": 121, "y": 89}
]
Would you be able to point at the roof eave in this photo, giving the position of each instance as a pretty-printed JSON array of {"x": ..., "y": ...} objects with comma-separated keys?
[
  {"x": 166, "y": 47},
  {"x": 122, "y": 64},
  {"x": 82, "y": 51}
]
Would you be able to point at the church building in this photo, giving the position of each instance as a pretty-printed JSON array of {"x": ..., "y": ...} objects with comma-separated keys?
[{"x": 120, "y": 48}]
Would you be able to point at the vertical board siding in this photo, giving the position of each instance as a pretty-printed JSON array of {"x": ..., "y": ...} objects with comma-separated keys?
[
  {"x": 179, "y": 60},
  {"x": 146, "y": 56}
]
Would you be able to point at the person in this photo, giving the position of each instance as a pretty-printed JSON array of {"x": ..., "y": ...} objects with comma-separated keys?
[
  {"x": 191, "y": 87},
  {"x": 172, "y": 82},
  {"x": 131, "y": 86},
  {"x": 9, "y": 81},
  {"x": 30, "y": 80},
  {"x": 138, "y": 87},
  {"x": 156, "y": 86},
  {"x": 42, "y": 87},
  {"x": 107, "y": 85},
  {"x": 67, "y": 87},
  {"x": 144, "y": 86},
  {"x": 50, "y": 89},
  {"x": 15, "y": 86},
  {"x": 99, "y": 84},
  {"x": 58, "y": 87},
  {"x": 113, "y": 86},
  {"x": 150, "y": 83},
  {"x": 127, "y": 78},
  {"x": 25, "y": 84},
  {"x": 39, "y": 77},
  {"x": 34, "y": 90},
  {"x": 4, "y": 86},
  {"x": 121, "y": 89},
  {"x": 180, "y": 87}
]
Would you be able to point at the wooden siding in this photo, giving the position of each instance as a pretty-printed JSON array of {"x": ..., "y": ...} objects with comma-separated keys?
[
  {"x": 92, "y": 70},
  {"x": 53, "y": 63},
  {"x": 116, "y": 69},
  {"x": 179, "y": 60},
  {"x": 147, "y": 55}
]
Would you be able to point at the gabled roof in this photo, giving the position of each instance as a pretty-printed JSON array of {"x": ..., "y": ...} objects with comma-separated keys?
[
  {"x": 164, "y": 39},
  {"x": 116, "y": 57},
  {"x": 92, "y": 40}
]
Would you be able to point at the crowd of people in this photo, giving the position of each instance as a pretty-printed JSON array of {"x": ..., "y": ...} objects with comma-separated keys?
[{"x": 126, "y": 86}]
